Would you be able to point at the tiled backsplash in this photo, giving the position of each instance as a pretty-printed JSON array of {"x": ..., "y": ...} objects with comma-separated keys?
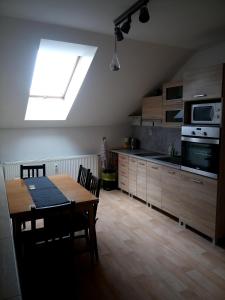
[{"x": 158, "y": 138}]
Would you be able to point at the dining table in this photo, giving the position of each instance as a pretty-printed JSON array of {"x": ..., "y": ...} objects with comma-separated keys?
[{"x": 20, "y": 201}]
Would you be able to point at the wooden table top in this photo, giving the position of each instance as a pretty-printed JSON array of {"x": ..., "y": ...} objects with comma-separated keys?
[{"x": 20, "y": 200}]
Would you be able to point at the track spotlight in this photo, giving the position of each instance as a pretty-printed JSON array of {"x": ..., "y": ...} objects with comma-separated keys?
[
  {"x": 126, "y": 25},
  {"x": 118, "y": 33},
  {"x": 144, "y": 14},
  {"x": 125, "y": 20}
]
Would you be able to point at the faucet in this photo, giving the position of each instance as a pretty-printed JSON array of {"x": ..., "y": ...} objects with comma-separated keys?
[{"x": 171, "y": 150}]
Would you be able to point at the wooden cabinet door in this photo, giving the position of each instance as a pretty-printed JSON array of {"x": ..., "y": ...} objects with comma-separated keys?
[
  {"x": 198, "y": 198},
  {"x": 123, "y": 179},
  {"x": 133, "y": 176},
  {"x": 171, "y": 191},
  {"x": 141, "y": 179},
  {"x": 172, "y": 92},
  {"x": 173, "y": 115},
  {"x": 204, "y": 83},
  {"x": 152, "y": 108},
  {"x": 154, "y": 184}
]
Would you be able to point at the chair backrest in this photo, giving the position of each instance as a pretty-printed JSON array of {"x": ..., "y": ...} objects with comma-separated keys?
[
  {"x": 32, "y": 171},
  {"x": 58, "y": 221},
  {"x": 83, "y": 176},
  {"x": 94, "y": 185}
]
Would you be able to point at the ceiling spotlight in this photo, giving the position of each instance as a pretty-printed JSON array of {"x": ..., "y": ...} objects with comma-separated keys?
[
  {"x": 126, "y": 25},
  {"x": 144, "y": 14},
  {"x": 118, "y": 33}
]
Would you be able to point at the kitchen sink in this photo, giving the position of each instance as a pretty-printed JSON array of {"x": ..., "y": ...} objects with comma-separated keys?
[{"x": 170, "y": 159}]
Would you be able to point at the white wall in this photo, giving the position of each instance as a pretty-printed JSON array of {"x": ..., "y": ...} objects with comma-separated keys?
[
  {"x": 105, "y": 98},
  {"x": 203, "y": 58},
  {"x": 40, "y": 143}
]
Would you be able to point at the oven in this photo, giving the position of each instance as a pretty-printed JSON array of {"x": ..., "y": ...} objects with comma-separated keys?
[{"x": 200, "y": 150}]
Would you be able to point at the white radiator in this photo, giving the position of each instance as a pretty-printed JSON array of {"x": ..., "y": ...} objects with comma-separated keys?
[{"x": 67, "y": 165}]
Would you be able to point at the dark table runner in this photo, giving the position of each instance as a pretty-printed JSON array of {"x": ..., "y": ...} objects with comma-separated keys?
[{"x": 44, "y": 192}]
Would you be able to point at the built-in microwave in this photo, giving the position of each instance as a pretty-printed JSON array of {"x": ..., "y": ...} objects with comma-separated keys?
[{"x": 206, "y": 113}]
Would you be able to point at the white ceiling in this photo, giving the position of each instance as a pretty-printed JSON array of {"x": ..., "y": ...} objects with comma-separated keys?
[{"x": 182, "y": 23}]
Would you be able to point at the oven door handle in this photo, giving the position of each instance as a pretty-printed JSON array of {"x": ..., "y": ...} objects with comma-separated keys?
[{"x": 200, "y": 140}]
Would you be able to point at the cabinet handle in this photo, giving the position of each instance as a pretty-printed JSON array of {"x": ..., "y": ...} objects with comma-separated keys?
[
  {"x": 199, "y": 95},
  {"x": 197, "y": 181},
  {"x": 142, "y": 164},
  {"x": 171, "y": 172},
  {"x": 155, "y": 168}
]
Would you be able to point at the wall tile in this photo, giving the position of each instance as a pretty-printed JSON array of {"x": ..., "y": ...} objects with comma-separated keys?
[{"x": 158, "y": 138}]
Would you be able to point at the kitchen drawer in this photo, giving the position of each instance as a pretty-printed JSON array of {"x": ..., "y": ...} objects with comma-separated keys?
[
  {"x": 123, "y": 184},
  {"x": 123, "y": 159},
  {"x": 154, "y": 184},
  {"x": 123, "y": 173},
  {"x": 133, "y": 164}
]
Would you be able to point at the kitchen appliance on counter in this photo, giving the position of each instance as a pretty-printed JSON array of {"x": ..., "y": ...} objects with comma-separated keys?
[
  {"x": 206, "y": 113},
  {"x": 134, "y": 143},
  {"x": 131, "y": 143},
  {"x": 200, "y": 150}
]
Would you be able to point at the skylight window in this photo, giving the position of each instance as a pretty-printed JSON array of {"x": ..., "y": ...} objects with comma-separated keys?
[{"x": 59, "y": 72}]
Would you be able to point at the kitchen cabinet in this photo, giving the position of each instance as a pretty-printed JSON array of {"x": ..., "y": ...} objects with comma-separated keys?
[
  {"x": 152, "y": 108},
  {"x": 154, "y": 184},
  {"x": 171, "y": 190},
  {"x": 189, "y": 197},
  {"x": 172, "y": 92},
  {"x": 123, "y": 175},
  {"x": 204, "y": 83},
  {"x": 133, "y": 176},
  {"x": 198, "y": 202},
  {"x": 141, "y": 179},
  {"x": 173, "y": 115}
]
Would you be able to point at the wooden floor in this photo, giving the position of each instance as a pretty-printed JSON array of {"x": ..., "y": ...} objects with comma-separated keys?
[{"x": 143, "y": 255}]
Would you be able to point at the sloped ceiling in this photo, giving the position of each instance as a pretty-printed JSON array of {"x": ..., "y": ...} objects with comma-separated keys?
[
  {"x": 105, "y": 98},
  {"x": 181, "y": 23}
]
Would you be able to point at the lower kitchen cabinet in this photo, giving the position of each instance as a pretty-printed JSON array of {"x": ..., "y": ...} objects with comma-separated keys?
[
  {"x": 198, "y": 199},
  {"x": 154, "y": 185},
  {"x": 141, "y": 179},
  {"x": 133, "y": 176},
  {"x": 171, "y": 190},
  {"x": 123, "y": 169},
  {"x": 191, "y": 198}
]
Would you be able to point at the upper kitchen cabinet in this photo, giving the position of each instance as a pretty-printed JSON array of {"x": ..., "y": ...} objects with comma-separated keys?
[
  {"x": 152, "y": 108},
  {"x": 204, "y": 83},
  {"x": 172, "y": 92}
]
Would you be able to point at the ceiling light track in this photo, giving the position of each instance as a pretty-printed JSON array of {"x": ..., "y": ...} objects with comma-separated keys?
[
  {"x": 125, "y": 18},
  {"x": 130, "y": 11}
]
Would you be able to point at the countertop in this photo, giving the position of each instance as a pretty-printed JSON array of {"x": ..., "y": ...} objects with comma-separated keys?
[{"x": 154, "y": 157}]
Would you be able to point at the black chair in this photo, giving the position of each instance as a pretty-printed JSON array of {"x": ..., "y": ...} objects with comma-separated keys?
[
  {"x": 83, "y": 176},
  {"x": 94, "y": 185},
  {"x": 57, "y": 224},
  {"x": 32, "y": 171}
]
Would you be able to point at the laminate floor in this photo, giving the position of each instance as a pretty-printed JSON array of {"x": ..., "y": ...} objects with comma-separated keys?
[{"x": 143, "y": 255}]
